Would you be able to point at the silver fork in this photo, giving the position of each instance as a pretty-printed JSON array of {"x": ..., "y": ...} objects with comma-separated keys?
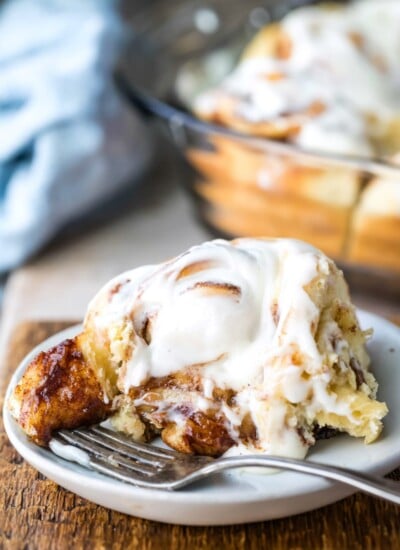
[{"x": 143, "y": 465}]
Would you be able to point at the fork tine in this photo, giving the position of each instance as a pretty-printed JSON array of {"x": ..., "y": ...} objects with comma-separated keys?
[
  {"x": 150, "y": 450},
  {"x": 101, "y": 452},
  {"x": 114, "y": 444},
  {"x": 132, "y": 477},
  {"x": 104, "y": 466}
]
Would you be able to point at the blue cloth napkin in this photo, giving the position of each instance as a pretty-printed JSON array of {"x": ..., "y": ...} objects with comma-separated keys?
[{"x": 67, "y": 139}]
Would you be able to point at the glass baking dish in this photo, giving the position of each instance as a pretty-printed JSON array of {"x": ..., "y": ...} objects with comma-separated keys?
[{"x": 247, "y": 186}]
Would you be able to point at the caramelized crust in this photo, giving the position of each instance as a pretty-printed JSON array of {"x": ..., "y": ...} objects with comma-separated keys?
[
  {"x": 198, "y": 434},
  {"x": 169, "y": 407},
  {"x": 58, "y": 390}
]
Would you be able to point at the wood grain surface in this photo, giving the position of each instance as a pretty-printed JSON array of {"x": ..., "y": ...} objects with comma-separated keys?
[{"x": 37, "y": 514}]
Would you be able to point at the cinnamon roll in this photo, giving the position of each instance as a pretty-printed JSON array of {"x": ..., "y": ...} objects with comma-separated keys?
[
  {"x": 324, "y": 77},
  {"x": 233, "y": 347}
]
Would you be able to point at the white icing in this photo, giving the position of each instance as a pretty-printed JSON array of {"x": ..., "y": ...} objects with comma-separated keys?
[
  {"x": 208, "y": 386},
  {"x": 346, "y": 59},
  {"x": 241, "y": 337},
  {"x": 69, "y": 452},
  {"x": 337, "y": 130},
  {"x": 323, "y": 39},
  {"x": 265, "y": 99}
]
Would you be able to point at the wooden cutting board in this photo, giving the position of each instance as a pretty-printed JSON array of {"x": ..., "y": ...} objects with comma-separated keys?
[{"x": 37, "y": 514}]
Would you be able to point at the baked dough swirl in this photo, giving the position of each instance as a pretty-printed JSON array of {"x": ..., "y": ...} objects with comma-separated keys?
[{"x": 251, "y": 345}]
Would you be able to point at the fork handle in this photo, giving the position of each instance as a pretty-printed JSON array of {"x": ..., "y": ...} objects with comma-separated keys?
[{"x": 379, "y": 487}]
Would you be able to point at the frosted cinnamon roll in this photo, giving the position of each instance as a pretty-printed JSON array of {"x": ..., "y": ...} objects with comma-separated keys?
[
  {"x": 325, "y": 78},
  {"x": 232, "y": 347}
]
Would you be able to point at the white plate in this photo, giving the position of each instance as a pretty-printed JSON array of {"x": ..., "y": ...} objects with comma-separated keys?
[{"x": 237, "y": 497}]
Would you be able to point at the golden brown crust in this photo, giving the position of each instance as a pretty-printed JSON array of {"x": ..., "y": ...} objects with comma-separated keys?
[
  {"x": 375, "y": 241},
  {"x": 198, "y": 434},
  {"x": 58, "y": 390},
  {"x": 236, "y": 164},
  {"x": 181, "y": 424},
  {"x": 257, "y": 212}
]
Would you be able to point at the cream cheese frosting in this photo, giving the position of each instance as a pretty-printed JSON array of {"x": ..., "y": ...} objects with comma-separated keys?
[
  {"x": 240, "y": 314},
  {"x": 346, "y": 59},
  {"x": 223, "y": 317}
]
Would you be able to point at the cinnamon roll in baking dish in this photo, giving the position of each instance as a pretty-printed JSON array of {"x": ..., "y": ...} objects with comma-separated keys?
[
  {"x": 244, "y": 346},
  {"x": 325, "y": 78}
]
